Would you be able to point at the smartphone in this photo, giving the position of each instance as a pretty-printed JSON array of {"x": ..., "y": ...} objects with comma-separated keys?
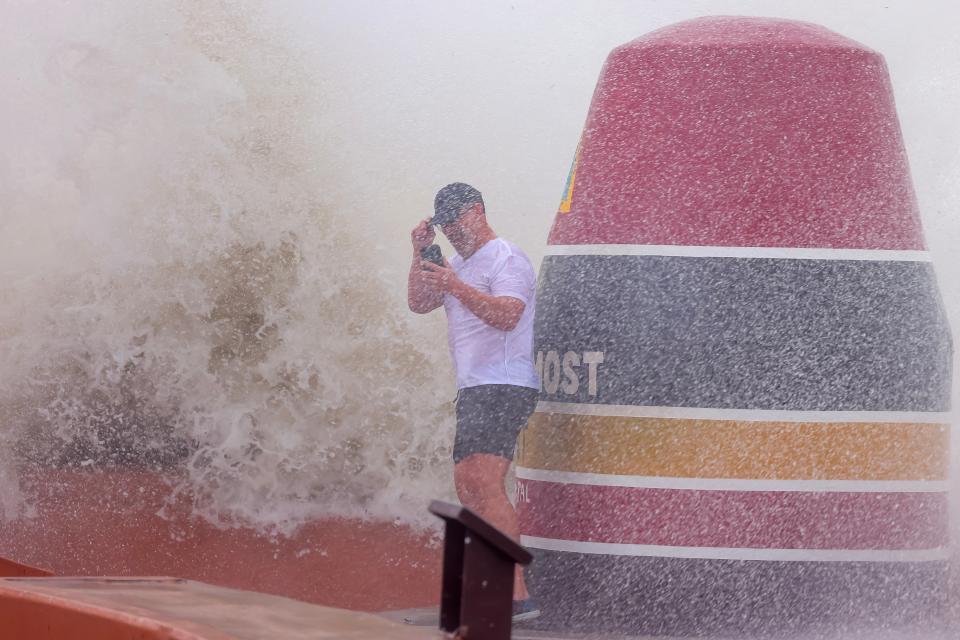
[{"x": 432, "y": 254}]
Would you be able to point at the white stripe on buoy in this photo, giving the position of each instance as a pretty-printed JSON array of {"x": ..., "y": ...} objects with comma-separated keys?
[
  {"x": 726, "y": 553},
  {"x": 742, "y": 415},
  {"x": 732, "y": 484},
  {"x": 784, "y": 253}
]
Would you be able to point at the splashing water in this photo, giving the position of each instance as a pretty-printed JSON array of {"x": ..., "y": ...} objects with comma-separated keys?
[{"x": 177, "y": 294}]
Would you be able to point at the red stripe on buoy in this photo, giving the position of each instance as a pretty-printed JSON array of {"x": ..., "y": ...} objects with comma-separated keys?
[
  {"x": 740, "y": 132},
  {"x": 748, "y": 519}
]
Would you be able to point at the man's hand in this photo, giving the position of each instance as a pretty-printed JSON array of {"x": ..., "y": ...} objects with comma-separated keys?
[
  {"x": 422, "y": 296},
  {"x": 440, "y": 278},
  {"x": 422, "y": 235}
]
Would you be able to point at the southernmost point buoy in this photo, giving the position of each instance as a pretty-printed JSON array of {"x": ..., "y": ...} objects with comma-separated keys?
[{"x": 745, "y": 360}]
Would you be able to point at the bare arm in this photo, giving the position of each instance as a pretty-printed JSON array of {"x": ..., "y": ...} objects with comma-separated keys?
[
  {"x": 422, "y": 297},
  {"x": 500, "y": 312}
]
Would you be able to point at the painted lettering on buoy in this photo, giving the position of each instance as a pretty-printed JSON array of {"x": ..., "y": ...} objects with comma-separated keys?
[
  {"x": 564, "y": 373},
  {"x": 567, "y": 200},
  {"x": 522, "y": 494}
]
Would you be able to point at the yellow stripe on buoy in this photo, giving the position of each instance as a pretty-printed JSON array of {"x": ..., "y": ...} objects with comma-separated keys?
[{"x": 696, "y": 448}]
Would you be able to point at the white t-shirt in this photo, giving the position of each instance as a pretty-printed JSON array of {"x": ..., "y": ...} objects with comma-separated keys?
[{"x": 482, "y": 354}]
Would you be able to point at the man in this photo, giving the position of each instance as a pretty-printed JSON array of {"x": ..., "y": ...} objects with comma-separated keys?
[{"x": 488, "y": 293}]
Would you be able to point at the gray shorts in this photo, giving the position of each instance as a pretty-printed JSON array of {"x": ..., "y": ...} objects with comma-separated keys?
[{"x": 490, "y": 417}]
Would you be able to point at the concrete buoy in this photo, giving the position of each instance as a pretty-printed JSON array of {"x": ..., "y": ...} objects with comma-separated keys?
[{"x": 745, "y": 361}]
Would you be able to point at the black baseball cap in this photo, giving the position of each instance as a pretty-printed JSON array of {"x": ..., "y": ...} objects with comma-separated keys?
[{"x": 451, "y": 202}]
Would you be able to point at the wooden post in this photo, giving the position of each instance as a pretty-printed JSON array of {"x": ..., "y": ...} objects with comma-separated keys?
[{"x": 478, "y": 567}]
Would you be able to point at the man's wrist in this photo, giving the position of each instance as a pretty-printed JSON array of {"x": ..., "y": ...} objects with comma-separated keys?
[{"x": 458, "y": 288}]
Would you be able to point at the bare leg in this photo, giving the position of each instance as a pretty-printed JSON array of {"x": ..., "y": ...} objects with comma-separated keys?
[{"x": 480, "y": 481}]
